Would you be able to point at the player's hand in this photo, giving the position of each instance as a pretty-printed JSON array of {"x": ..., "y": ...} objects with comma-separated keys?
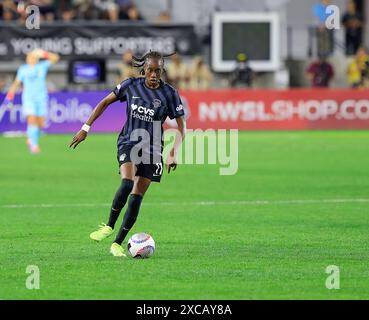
[
  {"x": 9, "y": 98},
  {"x": 78, "y": 138},
  {"x": 7, "y": 102},
  {"x": 171, "y": 163},
  {"x": 38, "y": 53}
]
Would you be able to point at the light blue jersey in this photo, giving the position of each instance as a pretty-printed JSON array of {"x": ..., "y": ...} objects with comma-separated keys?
[{"x": 34, "y": 95}]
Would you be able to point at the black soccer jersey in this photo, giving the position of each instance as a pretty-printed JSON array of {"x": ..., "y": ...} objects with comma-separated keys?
[{"x": 147, "y": 109}]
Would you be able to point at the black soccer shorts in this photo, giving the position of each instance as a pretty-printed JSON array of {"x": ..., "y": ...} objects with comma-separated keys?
[{"x": 152, "y": 171}]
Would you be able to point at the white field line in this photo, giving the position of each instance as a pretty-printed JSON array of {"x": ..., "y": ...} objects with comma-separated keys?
[{"x": 193, "y": 203}]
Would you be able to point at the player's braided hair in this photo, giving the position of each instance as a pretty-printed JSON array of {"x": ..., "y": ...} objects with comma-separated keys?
[{"x": 139, "y": 62}]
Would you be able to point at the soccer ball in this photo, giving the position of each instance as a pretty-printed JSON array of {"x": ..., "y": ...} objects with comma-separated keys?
[{"x": 141, "y": 245}]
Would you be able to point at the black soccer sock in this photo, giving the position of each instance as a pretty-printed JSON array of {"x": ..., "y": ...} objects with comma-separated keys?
[
  {"x": 119, "y": 201},
  {"x": 130, "y": 217}
]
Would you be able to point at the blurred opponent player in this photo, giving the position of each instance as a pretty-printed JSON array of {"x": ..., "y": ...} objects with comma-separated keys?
[
  {"x": 32, "y": 75},
  {"x": 149, "y": 102}
]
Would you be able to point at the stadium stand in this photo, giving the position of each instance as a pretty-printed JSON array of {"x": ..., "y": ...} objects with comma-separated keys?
[{"x": 298, "y": 43}]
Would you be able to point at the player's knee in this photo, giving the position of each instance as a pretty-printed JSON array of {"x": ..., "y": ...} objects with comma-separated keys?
[
  {"x": 40, "y": 122},
  {"x": 127, "y": 171},
  {"x": 32, "y": 120},
  {"x": 126, "y": 176},
  {"x": 137, "y": 192},
  {"x": 141, "y": 186}
]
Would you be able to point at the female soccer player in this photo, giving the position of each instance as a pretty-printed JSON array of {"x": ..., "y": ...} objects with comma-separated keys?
[
  {"x": 32, "y": 75},
  {"x": 140, "y": 143}
]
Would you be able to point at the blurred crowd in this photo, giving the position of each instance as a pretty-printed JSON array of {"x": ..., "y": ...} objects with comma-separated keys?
[
  {"x": 194, "y": 75},
  {"x": 321, "y": 72},
  {"x": 68, "y": 10},
  {"x": 352, "y": 21}
]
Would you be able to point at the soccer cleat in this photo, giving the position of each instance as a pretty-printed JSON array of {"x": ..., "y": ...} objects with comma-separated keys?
[
  {"x": 35, "y": 149},
  {"x": 116, "y": 250},
  {"x": 103, "y": 232}
]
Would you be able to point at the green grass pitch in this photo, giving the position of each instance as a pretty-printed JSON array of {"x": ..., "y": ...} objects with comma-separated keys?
[{"x": 298, "y": 204}]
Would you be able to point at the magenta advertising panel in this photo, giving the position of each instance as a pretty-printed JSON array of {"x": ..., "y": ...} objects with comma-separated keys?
[{"x": 66, "y": 113}]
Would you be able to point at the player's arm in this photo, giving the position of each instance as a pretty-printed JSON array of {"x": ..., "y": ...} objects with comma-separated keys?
[
  {"x": 12, "y": 90},
  {"x": 50, "y": 56},
  {"x": 97, "y": 112},
  {"x": 180, "y": 135}
]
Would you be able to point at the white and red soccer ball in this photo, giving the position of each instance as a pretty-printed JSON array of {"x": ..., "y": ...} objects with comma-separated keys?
[{"x": 141, "y": 245}]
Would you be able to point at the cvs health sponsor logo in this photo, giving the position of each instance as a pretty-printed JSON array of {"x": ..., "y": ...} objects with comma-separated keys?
[{"x": 142, "y": 113}]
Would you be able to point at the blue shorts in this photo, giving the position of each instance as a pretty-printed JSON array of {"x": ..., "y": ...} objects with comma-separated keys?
[{"x": 34, "y": 107}]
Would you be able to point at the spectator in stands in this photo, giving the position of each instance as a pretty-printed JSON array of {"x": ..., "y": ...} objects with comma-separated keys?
[
  {"x": 200, "y": 76},
  {"x": 65, "y": 9},
  {"x": 123, "y": 6},
  {"x": 164, "y": 16},
  {"x": 353, "y": 22},
  {"x": 8, "y": 10},
  {"x": 96, "y": 9},
  {"x": 243, "y": 75},
  {"x": 108, "y": 9},
  {"x": 21, "y": 10},
  {"x": 125, "y": 68},
  {"x": 325, "y": 40},
  {"x": 178, "y": 74},
  {"x": 132, "y": 14},
  {"x": 320, "y": 73},
  {"x": 47, "y": 9},
  {"x": 358, "y": 70},
  {"x": 86, "y": 10}
]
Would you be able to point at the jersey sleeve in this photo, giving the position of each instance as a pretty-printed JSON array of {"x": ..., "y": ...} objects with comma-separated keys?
[
  {"x": 20, "y": 74},
  {"x": 175, "y": 109},
  {"x": 121, "y": 89}
]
